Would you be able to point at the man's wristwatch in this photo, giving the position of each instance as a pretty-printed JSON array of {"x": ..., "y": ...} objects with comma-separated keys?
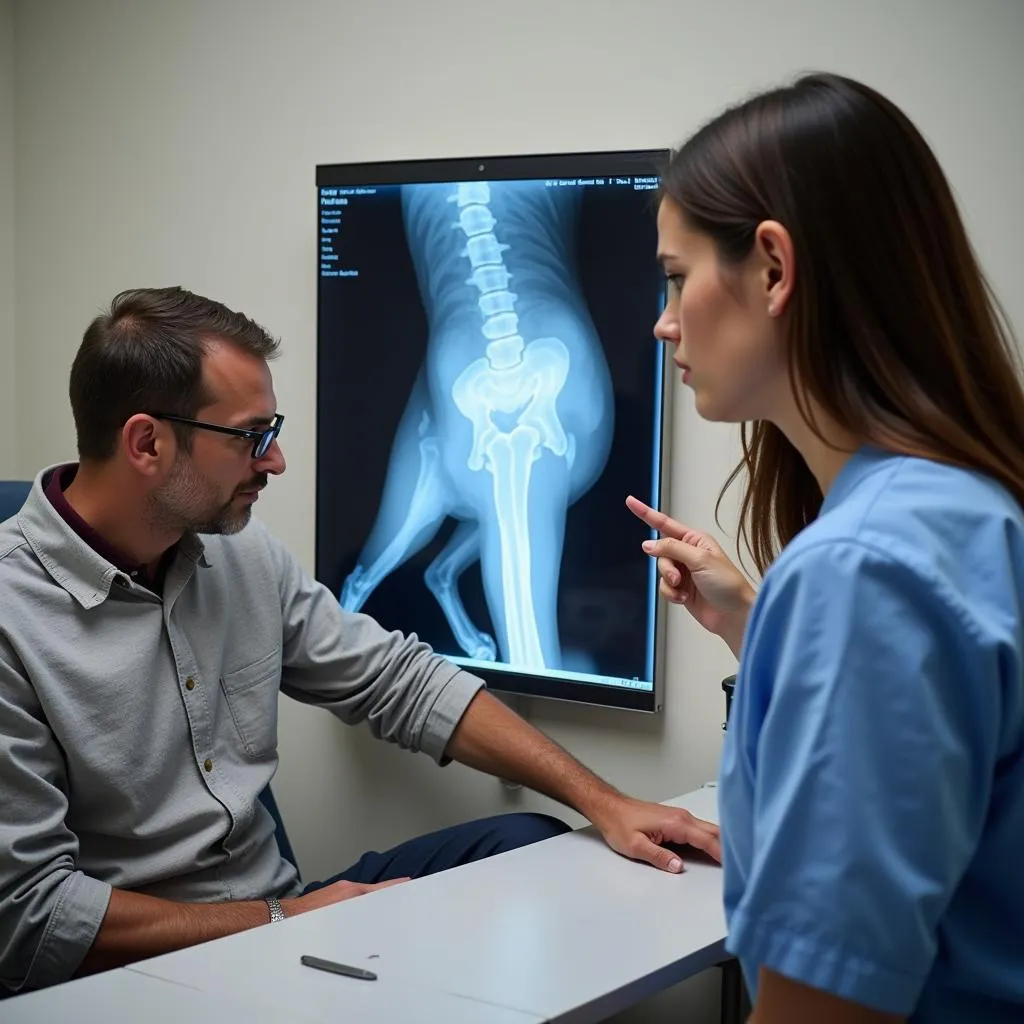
[{"x": 274, "y": 906}]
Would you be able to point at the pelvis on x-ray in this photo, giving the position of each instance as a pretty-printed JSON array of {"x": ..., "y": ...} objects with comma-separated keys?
[{"x": 510, "y": 419}]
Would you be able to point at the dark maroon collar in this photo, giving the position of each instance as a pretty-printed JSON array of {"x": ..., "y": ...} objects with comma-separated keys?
[{"x": 59, "y": 481}]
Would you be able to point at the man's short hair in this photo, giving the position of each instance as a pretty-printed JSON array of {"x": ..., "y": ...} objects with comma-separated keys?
[{"x": 145, "y": 355}]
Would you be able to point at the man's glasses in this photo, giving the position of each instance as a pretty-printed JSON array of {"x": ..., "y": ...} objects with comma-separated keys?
[{"x": 261, "y": 439}]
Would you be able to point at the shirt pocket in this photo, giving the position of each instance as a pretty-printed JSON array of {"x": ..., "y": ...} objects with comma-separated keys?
[{"x": 251, "y": 695}]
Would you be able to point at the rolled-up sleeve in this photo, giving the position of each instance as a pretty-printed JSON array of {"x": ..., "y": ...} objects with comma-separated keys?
[
  {"x": 351, "y": 665},
  {"x": 50, "y": 911}
]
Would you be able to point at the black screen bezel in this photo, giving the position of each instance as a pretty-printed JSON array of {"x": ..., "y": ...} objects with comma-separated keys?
[{"x": 626, "y": 163}]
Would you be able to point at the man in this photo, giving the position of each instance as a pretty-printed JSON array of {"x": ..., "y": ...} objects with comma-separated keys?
[{"x": 140, "y": 668}]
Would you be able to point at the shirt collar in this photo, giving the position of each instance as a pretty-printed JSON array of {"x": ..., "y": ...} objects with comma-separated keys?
[
  {"x": 86, "y": 571},
  {"x": 861, "y": 464},
  {"x": 54, "y": 488}
]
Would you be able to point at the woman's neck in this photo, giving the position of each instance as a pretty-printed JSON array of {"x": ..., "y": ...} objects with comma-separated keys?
[{"x": 825, "y": 450}]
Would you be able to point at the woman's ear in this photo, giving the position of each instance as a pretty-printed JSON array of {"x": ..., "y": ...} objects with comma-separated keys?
[{"x": 773, "y": 245}]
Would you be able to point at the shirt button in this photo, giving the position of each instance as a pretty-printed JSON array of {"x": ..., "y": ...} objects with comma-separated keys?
[
  {"x": 208, "y": 765},
  {"x": 190, "y": 684}
]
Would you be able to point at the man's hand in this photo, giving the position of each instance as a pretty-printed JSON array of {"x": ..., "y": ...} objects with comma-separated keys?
[
  {"x": 137, "y": 926},
  {"x": 330, "y": 894},
  {"x": 492, "y": 738},
  {"x": 637, "y": 829}
]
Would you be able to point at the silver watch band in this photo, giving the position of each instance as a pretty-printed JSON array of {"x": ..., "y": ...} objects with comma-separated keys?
[{"x": 276, "y": 912}]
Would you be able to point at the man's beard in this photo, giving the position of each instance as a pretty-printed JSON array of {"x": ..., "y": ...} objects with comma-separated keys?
[{"x": 189, "y": 503}]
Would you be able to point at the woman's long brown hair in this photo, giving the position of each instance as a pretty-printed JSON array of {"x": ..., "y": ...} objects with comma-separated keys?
[{"x": 893, "y": 330}]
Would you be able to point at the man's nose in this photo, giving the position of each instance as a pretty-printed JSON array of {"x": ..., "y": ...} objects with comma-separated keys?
[{"x": 273, "y": 461}]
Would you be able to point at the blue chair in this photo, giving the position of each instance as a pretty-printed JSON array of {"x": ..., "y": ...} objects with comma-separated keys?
[
  {"x": 268, "y": 801},
  {"x": 12, "y": 496}
]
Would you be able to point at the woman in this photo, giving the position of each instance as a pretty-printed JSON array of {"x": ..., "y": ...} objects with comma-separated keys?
[{"x": 822, "y": 290}]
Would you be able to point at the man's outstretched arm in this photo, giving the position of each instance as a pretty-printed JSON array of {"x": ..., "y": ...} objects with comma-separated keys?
[{"x": 493, "y": 739}]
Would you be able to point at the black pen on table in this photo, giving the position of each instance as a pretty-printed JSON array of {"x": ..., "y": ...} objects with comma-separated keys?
[{"x": 336, "y": 968}]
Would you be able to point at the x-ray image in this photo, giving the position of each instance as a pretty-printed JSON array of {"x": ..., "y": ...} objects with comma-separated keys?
[{"x": 489, "y": 391}]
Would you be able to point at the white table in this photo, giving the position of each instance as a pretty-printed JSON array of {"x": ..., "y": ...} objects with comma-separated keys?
[
  {"x": 563, "y": 930},
  {"x": 119, "y": 997},
  {"x": 130, "y": 996}
]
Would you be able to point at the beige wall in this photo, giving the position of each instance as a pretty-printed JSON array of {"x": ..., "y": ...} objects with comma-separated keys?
[
  {"x": 9, "y": 468},
  {"x": 176, "y": 142}
]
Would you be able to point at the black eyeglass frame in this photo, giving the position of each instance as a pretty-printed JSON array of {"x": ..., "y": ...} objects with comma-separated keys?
[{"x": 261, "y": 439}]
